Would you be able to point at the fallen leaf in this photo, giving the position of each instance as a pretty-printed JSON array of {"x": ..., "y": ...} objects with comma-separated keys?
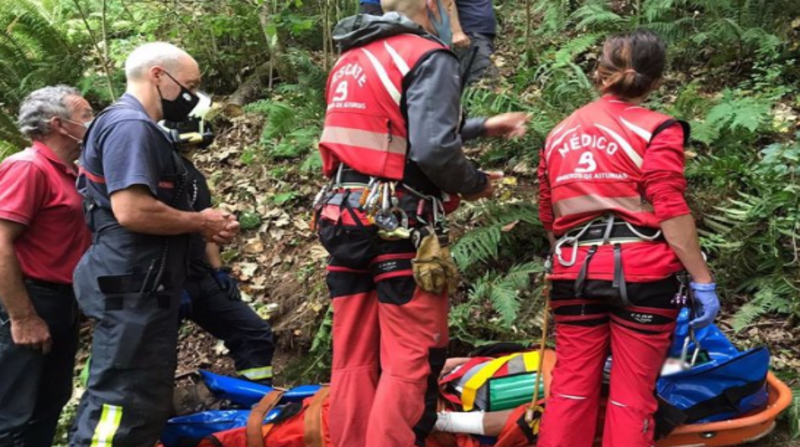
[
  {"x": 248, "y": 269},
  {"x": 509, "y": 227},
  {"x": 253, "y": 246}
]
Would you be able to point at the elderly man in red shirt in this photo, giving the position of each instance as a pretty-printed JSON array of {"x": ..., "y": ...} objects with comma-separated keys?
[{"x": 42, "y": 238}]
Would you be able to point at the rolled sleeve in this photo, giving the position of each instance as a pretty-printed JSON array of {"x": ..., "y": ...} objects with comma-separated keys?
[
  {"x": 131, "y": 157},
  {"x": 663, "y": 176},
  {"x": 22, "y": 189},
  {"x": 433, "y": 103}
]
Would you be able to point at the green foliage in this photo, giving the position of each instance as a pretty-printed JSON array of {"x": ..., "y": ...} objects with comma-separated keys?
[
  {"x": 756, "y": 234},
  {"x": 249, "y": 220},
  {"x": 497, "y": 259},
  {"x": 294, "y": 114},
  {"x": 483, "y": 243},
  {"x": 34, "y": 52},
  {"x": 793, "y": 415},
  {"x": 503, "y": 289},
  {"x": 768, "y": 297},
  {"x": 734, "y": 114}
]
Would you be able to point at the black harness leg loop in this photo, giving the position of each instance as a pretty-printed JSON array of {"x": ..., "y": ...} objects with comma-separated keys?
[
  {"x": 581, "y": 279},
  {"x": 619, "y": 276}
]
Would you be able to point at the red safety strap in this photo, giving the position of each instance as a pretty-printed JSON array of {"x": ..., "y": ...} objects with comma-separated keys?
[{"x": 95, "y": 178}]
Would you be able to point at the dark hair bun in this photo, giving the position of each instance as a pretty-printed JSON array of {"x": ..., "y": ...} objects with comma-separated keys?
[{"x": 631, "y": 64}]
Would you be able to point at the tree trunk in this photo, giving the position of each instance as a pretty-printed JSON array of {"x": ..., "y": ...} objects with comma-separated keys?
[{"x": 251, "y": 89}]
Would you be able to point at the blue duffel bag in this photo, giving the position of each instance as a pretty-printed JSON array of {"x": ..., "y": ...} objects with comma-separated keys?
[{"x": 728, "y": 384}]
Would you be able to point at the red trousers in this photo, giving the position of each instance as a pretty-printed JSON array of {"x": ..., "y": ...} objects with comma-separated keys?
[
  {"x": 389, "y": 340},
  {"x": 638, "y": 337}
]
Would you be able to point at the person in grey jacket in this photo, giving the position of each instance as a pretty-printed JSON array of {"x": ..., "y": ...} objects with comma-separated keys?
[{"x": 392, "y": 147}]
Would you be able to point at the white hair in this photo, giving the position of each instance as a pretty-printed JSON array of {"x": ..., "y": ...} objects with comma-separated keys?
[{"x": 150, "y": 55}]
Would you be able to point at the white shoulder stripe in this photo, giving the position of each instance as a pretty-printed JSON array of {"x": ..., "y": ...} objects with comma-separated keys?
[
  {"x": 384, "y": 77},
  {"x": 626, "y": 147},
  {"x": 398, "y": 61},
  {"x": 637, "y": 130},
  {"x": 558, "y": 141}
]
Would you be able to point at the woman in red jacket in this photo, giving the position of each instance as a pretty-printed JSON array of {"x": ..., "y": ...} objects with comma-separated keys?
[{"x": 611, "y": 197}]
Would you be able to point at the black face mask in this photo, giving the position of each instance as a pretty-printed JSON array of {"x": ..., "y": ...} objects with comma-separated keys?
[{"x": 179, "y": 108}]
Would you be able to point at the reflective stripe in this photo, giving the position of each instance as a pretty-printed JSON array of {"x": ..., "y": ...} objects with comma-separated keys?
[
  {"x": 264, "y": 372},
  {"x": 567, "y": 396},
  {"x": 594, "y": 202},
  {"x": 398, "y": 60},
  {"x": 383, "y": 76},
  {"x": 364, "y": 139},
  {"x": 626, "y": 147},
  {"x": 647, "y": 136},
  {"x": 531, "y": 360},
  {"x": 107, "y": 426},
  {"x": 559, "y": 140}
]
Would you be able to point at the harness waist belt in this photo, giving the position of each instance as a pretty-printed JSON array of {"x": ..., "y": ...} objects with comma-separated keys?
[
  {"x": 350, "y": 176},
  {"x": 619, "y": 232},
  {"x": 337, "y": 199}
]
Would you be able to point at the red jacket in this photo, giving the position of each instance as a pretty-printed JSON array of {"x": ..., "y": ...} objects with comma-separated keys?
[
  {"x": 364, "y": 125},
  {"x": 612, "y": 156}
]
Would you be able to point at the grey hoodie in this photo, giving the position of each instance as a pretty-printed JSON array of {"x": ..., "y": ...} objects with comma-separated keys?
[{"x": 432, "y": 104}]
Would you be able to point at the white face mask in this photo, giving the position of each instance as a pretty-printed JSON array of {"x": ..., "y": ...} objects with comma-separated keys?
[{"x": 77, "y": 140}]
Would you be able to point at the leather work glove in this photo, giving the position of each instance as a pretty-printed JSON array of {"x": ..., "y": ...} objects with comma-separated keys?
[
  {"x": 185, "y": 309},
  {"x": 228, "y": 283},
  {"x": 706, "y": 304},
  {"x": 433, "y": 266}
]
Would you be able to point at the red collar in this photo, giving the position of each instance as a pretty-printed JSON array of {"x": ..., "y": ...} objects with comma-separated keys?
[{"x": 48, "y": 153}]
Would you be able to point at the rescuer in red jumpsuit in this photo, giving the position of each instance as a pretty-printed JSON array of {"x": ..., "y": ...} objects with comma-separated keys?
[
  {"x": 392, "y": 147},
  {"x": 612, "y": 199}
]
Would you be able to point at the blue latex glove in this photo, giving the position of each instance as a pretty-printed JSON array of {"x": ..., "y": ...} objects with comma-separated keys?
[
  {"x": 706, "y": 304},
  {"x": 228, "y": 283},
  {"x": 186, "y": 306}
]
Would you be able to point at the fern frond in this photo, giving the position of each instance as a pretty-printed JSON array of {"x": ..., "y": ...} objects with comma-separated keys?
[
  {"x": 596, "y": 15},
  {"x": 476, "y": 246}
]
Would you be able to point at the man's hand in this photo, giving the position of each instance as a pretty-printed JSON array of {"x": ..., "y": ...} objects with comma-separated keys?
[
  {"x": 507, "y": 125},
  {"x": 488, "y": 190},
  {"x": 219, "y": 227},
  {"x": 31, "y": 332},
  {"x": 461, "y": 40},
  {"x": 452, "y": 363}
]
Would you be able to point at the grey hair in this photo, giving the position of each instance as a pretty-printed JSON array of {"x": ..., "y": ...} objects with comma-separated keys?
[
  {"x": 40, "y": 106},
  {"x": 150, "y": 55}
]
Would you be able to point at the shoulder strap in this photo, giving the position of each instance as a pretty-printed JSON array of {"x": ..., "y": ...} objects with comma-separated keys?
[
  {"x": 313, "y": 435},
  {"x": 687, "y": 130},
  {"x": 255, "y": 435}
]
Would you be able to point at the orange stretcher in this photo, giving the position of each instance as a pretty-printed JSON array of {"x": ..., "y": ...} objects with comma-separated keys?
[{"x": 746, "y": 428}]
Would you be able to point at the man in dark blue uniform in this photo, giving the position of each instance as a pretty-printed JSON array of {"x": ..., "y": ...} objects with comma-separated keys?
[
  {"x": 137, "y": 206},
  {"x": 211, "y": 296},
  {"x": 477, "y": 20},
  {"x": 372, "y": 7}
]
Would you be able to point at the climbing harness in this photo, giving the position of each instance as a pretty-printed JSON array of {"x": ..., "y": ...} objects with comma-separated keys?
[
  {"x": 606, "y": 230},
  {"x": 380, "y": 201}
]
